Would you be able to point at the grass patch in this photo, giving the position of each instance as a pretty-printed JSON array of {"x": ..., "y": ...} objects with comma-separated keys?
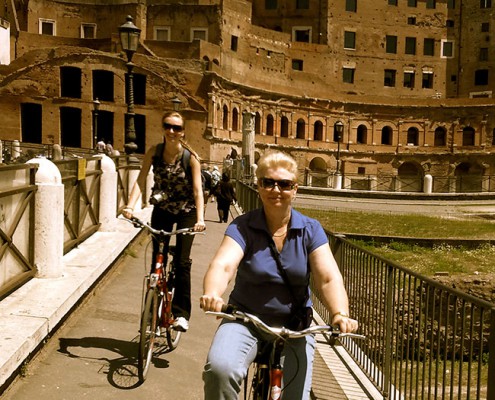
[{"x": 426, "y": 261}]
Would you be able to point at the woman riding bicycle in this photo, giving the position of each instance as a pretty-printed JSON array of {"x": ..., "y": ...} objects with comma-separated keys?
[
  {"x": 249, "y": 251},
  {"x": 177, "y": 196}
]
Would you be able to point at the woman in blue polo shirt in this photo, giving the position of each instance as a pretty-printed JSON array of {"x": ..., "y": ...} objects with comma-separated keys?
[{"x": 246, "y": 253}]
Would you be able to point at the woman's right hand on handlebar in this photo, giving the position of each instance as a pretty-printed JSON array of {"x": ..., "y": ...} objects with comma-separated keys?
[
  {"x": 127, "y": 212},
  {"x": 211, "y": 303}
]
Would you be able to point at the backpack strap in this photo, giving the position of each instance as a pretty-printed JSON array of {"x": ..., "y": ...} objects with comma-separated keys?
[{"x": 185, "y": 159}]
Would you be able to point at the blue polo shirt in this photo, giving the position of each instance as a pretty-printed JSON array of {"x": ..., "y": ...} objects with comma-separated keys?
[{"x": 259, "y": 288}]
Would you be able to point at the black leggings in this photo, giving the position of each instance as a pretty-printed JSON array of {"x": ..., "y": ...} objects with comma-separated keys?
[{"x": 161, "y": 219}]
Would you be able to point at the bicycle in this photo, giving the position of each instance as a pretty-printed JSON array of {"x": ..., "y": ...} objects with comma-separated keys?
[
  {"x": 268, "y": 372},
  {"x": 158, "y": 293}
]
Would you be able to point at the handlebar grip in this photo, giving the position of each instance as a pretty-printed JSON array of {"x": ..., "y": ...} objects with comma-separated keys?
[{"x": 228, "y": 308}]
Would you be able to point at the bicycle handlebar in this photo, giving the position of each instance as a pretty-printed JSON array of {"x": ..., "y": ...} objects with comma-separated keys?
[
  {"x": 160, "y": 232},
  {"x": 231, "y": 313}
]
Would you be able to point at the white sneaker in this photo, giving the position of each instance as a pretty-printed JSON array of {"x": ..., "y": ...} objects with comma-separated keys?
[{"x": 181, "y": 324}]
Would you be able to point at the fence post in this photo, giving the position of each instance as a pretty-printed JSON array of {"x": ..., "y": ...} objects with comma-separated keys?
[
  {"x": 108, "y": 193},
  {"x": 48, "y": 219}
]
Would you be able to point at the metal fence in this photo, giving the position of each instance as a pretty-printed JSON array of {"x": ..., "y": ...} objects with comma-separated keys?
[{"x": 424, "y": 339}]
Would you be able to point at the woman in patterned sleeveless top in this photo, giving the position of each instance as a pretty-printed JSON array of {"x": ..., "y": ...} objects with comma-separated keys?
[{"x": 178, "y": 199}]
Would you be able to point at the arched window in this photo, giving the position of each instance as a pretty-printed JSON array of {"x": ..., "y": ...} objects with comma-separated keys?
[
  {"x": 468, "y": 136},
  {"x": 318, "y": 131},
  {"x": 257, "y": 123},
  {"x": 412, "y": 136},
  {"x": 235, "y": 120},
  {"x": 269, "y": 125},
  {"x": 284, "y": 127},
  {"x": 362, "y": 134},
  {"x": 225, "y": 118},
  {"x": 440, "y": 137},
  {"x": 301, "y": 129},
  {"x": 387, "y": 135}
]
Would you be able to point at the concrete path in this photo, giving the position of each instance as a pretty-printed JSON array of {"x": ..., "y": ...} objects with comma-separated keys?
[{"x": 93, "y": 354}]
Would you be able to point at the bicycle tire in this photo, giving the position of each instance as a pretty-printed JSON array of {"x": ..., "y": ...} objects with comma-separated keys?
[
  {"x": 260, "y": 383},
  {"x": 147, "y": 333},
  {"x": 173, "y": 338}
]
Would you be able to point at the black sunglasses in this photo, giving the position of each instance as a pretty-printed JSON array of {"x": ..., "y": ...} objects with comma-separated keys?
[
  {"x": 283, "y": 184},
  {"x": 176, "y": 128}
]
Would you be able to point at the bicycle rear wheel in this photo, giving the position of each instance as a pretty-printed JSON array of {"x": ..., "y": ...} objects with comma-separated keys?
[{"x": 147, "y": 333}]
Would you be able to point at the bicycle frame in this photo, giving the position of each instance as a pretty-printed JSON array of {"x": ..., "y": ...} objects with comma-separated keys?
[{"x": 156, "y": 307}]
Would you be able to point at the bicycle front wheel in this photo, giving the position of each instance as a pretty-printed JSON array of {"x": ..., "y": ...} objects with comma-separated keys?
[{"x": 147, "y": 333}]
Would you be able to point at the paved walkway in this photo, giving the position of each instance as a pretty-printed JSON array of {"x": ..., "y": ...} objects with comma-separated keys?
[{"x": 93, "y": 354}]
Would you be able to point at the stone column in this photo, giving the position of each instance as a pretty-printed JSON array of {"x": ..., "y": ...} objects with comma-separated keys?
[
  {"x": 108, "y": 194},
  {"x": 248, "y": 138},
  {"x": 49, "y": 219}
]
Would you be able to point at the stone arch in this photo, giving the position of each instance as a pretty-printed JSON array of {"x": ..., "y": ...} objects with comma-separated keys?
[
  {"x": 301, "y": 129},
  {"x": 284, "y": 126},
  {"x": 257, "y": 123},
  {"x": 412, "y": 136},
  {"x": 362, "y": 134},
  {"x": 468, "y": 136},
  {"x": 410, "y": 177},
  {"x": 225, "y": 117},
  {"x": 387, "y": 135},
  {"x": 318, "y": 164},
  {"x": 468, "y": 177},
  {"x": 318, "y": 131},
  {"x": 235, "y": 119},
  {"x": 440, "y": 136},
  {"x": 270, "y": 122}
]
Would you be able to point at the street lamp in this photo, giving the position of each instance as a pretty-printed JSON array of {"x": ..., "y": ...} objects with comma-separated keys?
[
  {"x": 96, "y": 108},
  {"x": 129, "y": 39},
  {"x": 338, "y": 128},
  {"x": 176, "y": 102}
]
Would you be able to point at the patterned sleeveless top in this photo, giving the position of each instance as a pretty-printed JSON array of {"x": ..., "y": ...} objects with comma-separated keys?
[{"x": 173, "y": 180}]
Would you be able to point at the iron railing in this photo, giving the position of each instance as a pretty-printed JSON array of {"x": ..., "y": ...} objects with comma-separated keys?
[
  {"x": 17, "y": 193},
  {"x": 424, "y": 339}
]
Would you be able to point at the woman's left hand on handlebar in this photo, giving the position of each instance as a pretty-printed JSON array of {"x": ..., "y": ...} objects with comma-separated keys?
[
  {"x": 127, "y": 212},
  {"x": 345, "y": 324},
  {"x": 199, "y": 226}
]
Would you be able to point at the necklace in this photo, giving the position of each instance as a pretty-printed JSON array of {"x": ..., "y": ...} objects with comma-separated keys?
[{"x": 281, "y": 234}]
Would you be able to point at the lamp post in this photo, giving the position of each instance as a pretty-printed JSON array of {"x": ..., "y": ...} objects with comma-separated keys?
[
  {"x": 338, "y": 129},
  {"x": 129, "y": 39},
  {"x": 176, "y": 102},
  {"x": 96, "y": 108}
]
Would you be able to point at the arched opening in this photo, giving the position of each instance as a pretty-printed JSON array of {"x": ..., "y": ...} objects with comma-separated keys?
[
  {"x": 387, "y": 135},
  {"x": 362, "y": 134},
  {"x": 318, "y": 175},
  {"x": 468, "y": 136},
  {"x": 409, "y": 178},
  {"x": 284, "y": 127},
  {"x": 440, "y": 138},
  {"x": 269, "y": 125},
  {"x": 300, "y": 129},
  {"x": 235, "y": 120},
  {"x": 412, "y": 136},
  {"x": 318, "y": 131},
  {"x": 469, "y": 178},
  {"x": 257, "y": 123},
  {"x": 225, "y": 118}
]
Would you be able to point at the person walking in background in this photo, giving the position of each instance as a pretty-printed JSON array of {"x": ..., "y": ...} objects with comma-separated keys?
[
  {"x": 215, "y": 180},
  {"x": 249, "y": 251},
  {"x": 207, "y": 187},
  {"x": 225, "y": 194},
  {"x": 177, "y": 196}
]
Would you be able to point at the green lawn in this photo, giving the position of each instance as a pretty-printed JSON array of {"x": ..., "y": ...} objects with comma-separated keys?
[{"x": 423, "y": 260}]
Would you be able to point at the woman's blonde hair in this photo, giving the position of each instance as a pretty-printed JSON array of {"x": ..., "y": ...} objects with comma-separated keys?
[
  {"x": 276, "y": 159},
  {"x": 175, "y": 114}
]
